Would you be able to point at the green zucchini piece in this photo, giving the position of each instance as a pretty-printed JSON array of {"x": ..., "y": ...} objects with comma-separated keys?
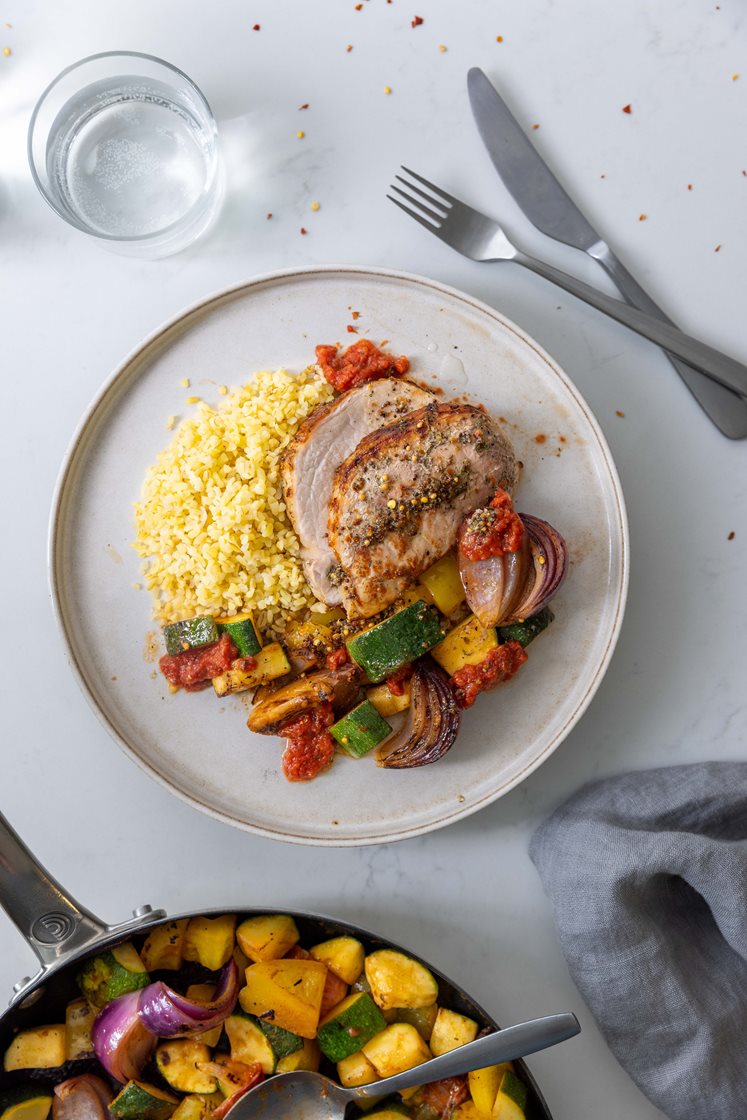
[
  {"x": 349, "y": 1026},
  {"x": 178, "y": 1064},
  {"x": 512, "y": 1098},
  {"x": 361, "y": 730},
  {"x": 397, "y": 641},
  {"x": 422, "y": 1018},
  {"x": 190, "y": 633},
  {"x": 243, "y": 632},
  {"x": 112, "y": 974},
  {"x": 255, "y": 1040},
  {"x": 526, "y": 631},
  {"x": 25, "y": 1102},
  {"x": 140, "y": 1101},
  {"x": 283, "y": 1042}
]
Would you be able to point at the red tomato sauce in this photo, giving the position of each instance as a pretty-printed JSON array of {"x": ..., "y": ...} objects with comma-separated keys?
[
  {"x": 499, "y": 666},
  {"x": 310, "y": 747},
  {"x": 492, "y": 531},
  {"x": 359, "y": 363},
  {"x": 396, "y": 683},
  {"x": 195, "y": 668},
  {"x": 337, "y": 658}
]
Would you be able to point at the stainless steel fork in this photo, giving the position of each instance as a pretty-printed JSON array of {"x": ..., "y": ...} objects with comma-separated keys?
[{"x": 478, "y": 237}]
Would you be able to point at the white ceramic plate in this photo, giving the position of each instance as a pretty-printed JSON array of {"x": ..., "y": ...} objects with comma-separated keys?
[{"x": 200, "y": 747}]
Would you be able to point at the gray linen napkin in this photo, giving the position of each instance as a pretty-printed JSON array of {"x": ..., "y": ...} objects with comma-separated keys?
[{"x": 648, "y": 877}]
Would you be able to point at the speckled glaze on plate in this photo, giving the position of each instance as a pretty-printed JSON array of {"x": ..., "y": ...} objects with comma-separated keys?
[{"x": 199, "y": 747}]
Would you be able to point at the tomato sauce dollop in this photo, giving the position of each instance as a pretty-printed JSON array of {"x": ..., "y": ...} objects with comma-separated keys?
[
  {"x": 359, "y": 363},
  {"x": 397, "y": 681},
  {"x": 193, "y": 669},
  {"x": 310, "y": 747},
  {"x": 499, "y": 666},
  {"x": 337, "y": 658},
  {"x": 492, "y": 531}
]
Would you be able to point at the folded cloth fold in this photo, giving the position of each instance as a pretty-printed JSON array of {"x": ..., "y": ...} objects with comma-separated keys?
[{"x": 647, "y": 874}]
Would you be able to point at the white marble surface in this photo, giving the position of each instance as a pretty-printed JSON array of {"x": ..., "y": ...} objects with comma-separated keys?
[{"x": 467, "y": 897}]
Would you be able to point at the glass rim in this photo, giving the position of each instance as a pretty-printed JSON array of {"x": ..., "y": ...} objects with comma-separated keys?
[{"x": 127, "y": 239}]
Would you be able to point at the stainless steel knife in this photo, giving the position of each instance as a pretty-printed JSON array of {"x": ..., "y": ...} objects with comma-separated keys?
[{"x": 551, "y": 210}]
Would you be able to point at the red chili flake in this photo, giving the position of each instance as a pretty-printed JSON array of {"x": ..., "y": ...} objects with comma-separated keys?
[
  {"x": 717, "y": 249},
  {"x": 358, "y": 7},
  {"x": 356, "y": 314},
  {"x": 730, "y": 537},
  {"x": 269, "y": 216},
  {"x": 499, "y": 38},
  {"x": 304, "y": 106},
  {"x": 416, "y": 21},
  {"x": 349, "y": 47},
  {"x": 618, "y": 412},
  {"x": 689, "y": 186},
  {"x": 627, "y": 108},
  {"x": 535, "y": 127},
  {"x": 540, "y": 438},
  {"x": 642, "y": 217},
  {"x": 304, "y": 231},
  {"x": 351, "y": 329},
  {"x": 562, "y": 439},
  {"x": 745, "y": 174},
  {"x": 256, "y": 27}
]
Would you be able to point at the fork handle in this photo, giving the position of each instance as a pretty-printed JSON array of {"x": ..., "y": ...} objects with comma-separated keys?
[
  {"x": 726, "y": 409},
  {"x": 727, "y": 371}
]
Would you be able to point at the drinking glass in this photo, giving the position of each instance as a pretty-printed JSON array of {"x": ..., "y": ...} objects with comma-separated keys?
[{"x": 124, "y": 147}]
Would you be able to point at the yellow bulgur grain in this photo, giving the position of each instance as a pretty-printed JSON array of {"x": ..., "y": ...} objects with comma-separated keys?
[{"x": 211, "y": 522}]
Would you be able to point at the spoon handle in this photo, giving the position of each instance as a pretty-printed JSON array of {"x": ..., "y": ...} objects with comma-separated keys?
[{"x": 502, "y": 1046}]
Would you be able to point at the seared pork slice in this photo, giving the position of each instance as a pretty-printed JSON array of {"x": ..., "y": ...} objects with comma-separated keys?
[
  {"x": 399, "y": 499},
  {"x": 322, "y": 442}
]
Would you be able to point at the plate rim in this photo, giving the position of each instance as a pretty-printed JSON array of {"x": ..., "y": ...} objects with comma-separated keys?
[{"x": 457, "y": 813}]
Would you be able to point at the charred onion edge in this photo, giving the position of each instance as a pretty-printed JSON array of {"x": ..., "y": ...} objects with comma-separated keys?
[
  {"x": 432, "y": 723},
  {"x": 550, "y": 556}
]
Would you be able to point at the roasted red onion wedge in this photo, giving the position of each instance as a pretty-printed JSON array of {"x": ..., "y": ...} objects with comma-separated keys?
[
  {"x": 549, "y": 554},
  {"x": 82, "y": 1098},
  {"x": 431, "y": 726},
  {"x": 121, "y": 1041},
  {"x": 496, "y": 585},
  {"x": 170, "y": 1015}
]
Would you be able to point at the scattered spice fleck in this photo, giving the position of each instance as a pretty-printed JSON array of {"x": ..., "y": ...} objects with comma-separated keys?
[
  {"x": 387, "y": 89},
  {"x": 185, "y": 383},
  {"x": 255, "y": 27},
  {"x": 562, "y": 439},
  {"x": 349, "y": 47},
  {"x": 351, "y": 329},
  {"x": 717, "y": 249},
  {"x": 416, "y": 21},
  {"x": 619, "y": 412},
  {"x": 602, "y": 176},
  {"x": 269, "y": 215},
  {"x": 113, "y": 678},
  {"x": 358, "y": 7},
  {"x": 731, "y": 536},
  {"x": 7, "y": 52},
  {"x": 689, "y": 186},
  {"x": 392, "y": 504},
  {"x": 300, "y": 134},
  {"x": 627, "y": 108},
  {"x": 499, "y": 38},
  {"x": 316, "y": 206},
  {"x": 304, "y": 106},
  {"x": 442, "y": 48},
  {"x": 170, "y": 423},
  {"x": 734, "y": 77},
  {"x": 355, "y": 314},
  {"x": 222, "y": 390},
  {"x": 535, "y": 127},
  {"x": 540, "y": 437},
  {"x": 304, "y": 231},
  {"x": 643, "y": 217},
  {"x": 137, "y": 587},
  {"x": 461, "y": 798},
  {"x": 193, "y": 400}
]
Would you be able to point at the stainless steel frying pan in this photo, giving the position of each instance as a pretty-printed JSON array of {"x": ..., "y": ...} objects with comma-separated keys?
[{"x": 62, "y": 933}]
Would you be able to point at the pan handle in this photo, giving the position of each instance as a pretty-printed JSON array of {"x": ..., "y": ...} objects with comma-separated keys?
[{"x": 54, "y": 924}]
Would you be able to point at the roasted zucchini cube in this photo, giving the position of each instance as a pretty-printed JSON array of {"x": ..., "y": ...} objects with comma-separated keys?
[
  {"x": 36, "y": 1048},
  {"x": 349, "y": 1026}
]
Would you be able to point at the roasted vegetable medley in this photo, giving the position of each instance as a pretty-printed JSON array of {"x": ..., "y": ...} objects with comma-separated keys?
[
  {"x": 183, "y": 1023},
  {"x": 335, "y": 683}
]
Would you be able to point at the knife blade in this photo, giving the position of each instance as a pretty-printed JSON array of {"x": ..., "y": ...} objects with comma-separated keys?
[{"x": 549, "y": 207}]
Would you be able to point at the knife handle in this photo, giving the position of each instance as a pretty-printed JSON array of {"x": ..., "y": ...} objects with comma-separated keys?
[
  {"x": 728, "y": 371},
  {"x": 727, "y": 410}
]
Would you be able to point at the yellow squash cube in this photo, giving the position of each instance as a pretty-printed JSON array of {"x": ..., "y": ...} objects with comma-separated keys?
[
  {"x": 451, "y": 1030},
  {"x": 268, "y": 937},
  {"x": 210, "y": 941},
  {"x": 291, "y": 989},
  {"x": 397, "y": 1048}
]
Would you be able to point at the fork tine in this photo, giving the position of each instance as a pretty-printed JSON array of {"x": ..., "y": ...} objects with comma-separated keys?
[
  {"x": 428, "y": 198},
  {"x": 419, "y": 205},
  {"x": 438, "y": 191},
  {"x": 418, "y": 218}
]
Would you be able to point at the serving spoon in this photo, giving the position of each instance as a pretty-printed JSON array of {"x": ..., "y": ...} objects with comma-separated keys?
[{"x": 304, "y": 1095}]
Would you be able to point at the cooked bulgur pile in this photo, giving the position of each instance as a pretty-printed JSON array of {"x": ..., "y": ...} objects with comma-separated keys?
[{"x": 211, "y": 523}]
